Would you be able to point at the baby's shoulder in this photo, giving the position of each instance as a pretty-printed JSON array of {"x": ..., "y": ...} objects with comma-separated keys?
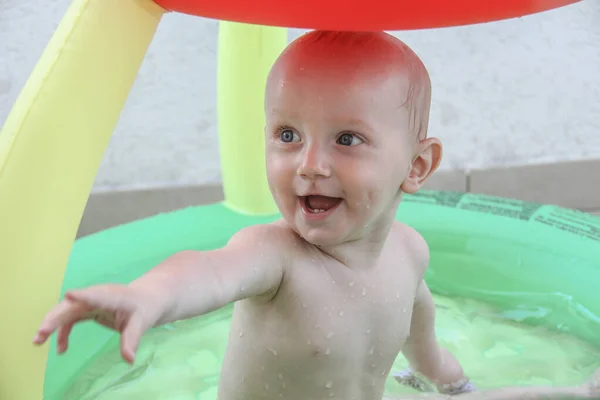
[
  {"x": 412, "y": 244},
  {"x": 274, "y": 236}
]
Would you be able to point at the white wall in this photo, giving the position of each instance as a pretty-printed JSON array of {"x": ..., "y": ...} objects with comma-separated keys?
[{"x": 512, "y": 92}]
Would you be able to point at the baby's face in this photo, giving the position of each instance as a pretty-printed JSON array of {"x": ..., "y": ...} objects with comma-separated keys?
[{"x": 338, "y": 147}]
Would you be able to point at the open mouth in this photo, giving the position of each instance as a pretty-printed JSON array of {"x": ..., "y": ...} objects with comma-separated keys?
[{"x": 317, "y": 204}]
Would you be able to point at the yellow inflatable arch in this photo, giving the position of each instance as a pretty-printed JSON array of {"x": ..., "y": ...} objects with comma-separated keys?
[{"x": 54, "y": 139}]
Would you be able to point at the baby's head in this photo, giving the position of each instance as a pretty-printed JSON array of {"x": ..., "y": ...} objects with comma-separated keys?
[{"x": 346, "y": 132}]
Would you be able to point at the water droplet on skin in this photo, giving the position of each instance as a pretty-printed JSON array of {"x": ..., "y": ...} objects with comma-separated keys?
[
  {"x": 364, "y": 291},
  {"x": 241, "y": 333},
  {"x": 242, "y": 289},
  {"x": 403, "y": 309},
  {"x": 372, "y": 350},
  {"x": 273, "y": 351},
  {"x": 327, "y": 351},
  {"x": 368, "y": 206},
  {"x": 341, "y": 313},
  {"x": 266, "y": 386},
  {"x": 333, "y": 282},
  {"x": 280, "y": 376},
  {"x": 373, "y": 366},
  {"x": 368, "y": 331},
  {"x": 351, "y": 284},
  {"x": 397, "y": 295},
  {"x": 308, "y": 342},
  {"x": 283, "y": 386},
  {"x": 329, "y": 335},
  {"x": 329, "y": 384}
]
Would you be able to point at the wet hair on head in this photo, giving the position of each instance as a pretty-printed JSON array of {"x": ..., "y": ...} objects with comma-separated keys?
[{"x": 418, "y": 99}]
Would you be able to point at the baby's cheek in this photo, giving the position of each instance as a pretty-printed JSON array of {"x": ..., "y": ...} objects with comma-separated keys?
[
  {"x": 280, "y": 196},
  {"x": 375, "y": 187},
  {"x": 366, "y": 201},
  {"x": 279, "y": 175},
  {"x": 357, "y": 182},
  {"x": 375, "y": 197}
]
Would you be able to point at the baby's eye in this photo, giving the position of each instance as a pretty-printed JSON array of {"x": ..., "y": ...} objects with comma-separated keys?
[
  {"x": 288, "y": 136},
  {"x": 348, "y": 139}
]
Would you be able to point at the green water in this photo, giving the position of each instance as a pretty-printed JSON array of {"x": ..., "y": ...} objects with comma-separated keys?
[{"x": 182, "y": 360}]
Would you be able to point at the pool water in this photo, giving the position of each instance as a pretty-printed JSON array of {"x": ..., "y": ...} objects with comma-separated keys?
[{"x": 182, "y": 360}]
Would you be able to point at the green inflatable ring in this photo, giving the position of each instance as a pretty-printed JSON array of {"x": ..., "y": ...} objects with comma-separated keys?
[{"x": 502, "y": 251}]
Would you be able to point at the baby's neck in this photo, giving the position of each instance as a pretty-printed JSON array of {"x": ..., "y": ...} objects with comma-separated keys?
[{"x": 362, "y": 252}]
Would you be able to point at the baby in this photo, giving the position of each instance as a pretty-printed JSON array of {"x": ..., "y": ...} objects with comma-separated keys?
[{"x": 327, "y": 297}]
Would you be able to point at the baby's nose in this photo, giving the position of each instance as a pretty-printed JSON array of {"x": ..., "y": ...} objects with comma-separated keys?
[{"x": 314, "y": 163}]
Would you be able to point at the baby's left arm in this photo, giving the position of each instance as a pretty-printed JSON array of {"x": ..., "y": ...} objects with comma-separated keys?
[{"x": 423, "y": 351}]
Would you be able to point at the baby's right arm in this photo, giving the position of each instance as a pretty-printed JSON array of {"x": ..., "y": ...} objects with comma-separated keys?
[
  {"x": 187, "y": 284},
  {"x": 195, "y": 283}
]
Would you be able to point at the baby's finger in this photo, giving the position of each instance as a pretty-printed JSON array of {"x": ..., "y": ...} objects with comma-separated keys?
[
  {"x": 407, "y": 378},
  {"x": 594, "y": 382},
  {"x": 62, "y": 341},
  {"x": 66, "y": 312},
  {"x": 131, "y": 335},
  {"x": 108, "y": 297}
]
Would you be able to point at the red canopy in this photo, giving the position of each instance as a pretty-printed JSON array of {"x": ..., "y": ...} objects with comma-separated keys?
[{"x": 361, "y": 15}]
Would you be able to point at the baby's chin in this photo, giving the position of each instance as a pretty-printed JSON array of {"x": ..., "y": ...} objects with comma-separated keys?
[
  {"x": 318, "y": 237},
  {"x": 321, "y": 241}
]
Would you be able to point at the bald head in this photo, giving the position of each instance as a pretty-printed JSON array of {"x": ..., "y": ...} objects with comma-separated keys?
[{"x": 361, "y": 58}]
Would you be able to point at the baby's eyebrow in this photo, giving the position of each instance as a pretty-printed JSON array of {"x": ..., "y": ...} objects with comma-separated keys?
[
  {"x": 344, "y": 123},
  {"x": 285, "y": 114},
  {"x": 280, "y": 111},
  {"x": 358, "y": 124}
]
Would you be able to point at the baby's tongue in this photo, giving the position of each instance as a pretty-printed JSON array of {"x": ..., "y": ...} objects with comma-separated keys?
[{"x": 321, "y": 202}]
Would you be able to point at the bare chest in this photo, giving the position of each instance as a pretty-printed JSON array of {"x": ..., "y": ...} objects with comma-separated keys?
[
  {"x": 344, "y": 315},
  {"x": 327, "y": 329}
]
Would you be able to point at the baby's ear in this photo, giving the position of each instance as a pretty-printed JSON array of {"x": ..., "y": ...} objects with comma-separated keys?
[{"x": 429, "y": 156}]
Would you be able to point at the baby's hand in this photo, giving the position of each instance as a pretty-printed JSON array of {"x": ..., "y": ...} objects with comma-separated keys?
[
  {"x": 407, "y": 377},
  {"x": 121, "y": 308}
]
